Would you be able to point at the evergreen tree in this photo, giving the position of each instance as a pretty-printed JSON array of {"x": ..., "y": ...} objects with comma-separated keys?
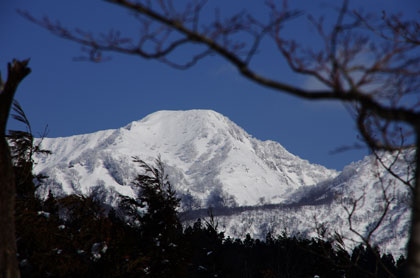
[{"x": 155, "y": 213}]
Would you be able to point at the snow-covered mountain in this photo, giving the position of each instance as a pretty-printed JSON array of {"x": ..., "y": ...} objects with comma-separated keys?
[
  {"x": 207, "y": 157},
  {"x": 211, "y": 161}
]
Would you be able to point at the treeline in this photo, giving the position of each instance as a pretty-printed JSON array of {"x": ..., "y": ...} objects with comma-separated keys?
[{"x": 77, "y": 236}]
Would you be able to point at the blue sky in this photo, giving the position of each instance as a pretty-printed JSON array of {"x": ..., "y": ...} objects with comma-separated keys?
[{"x": 81, "y": 97}]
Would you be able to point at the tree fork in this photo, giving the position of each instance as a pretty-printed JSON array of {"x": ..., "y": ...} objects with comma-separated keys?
[{"x": 17, "y": 71}]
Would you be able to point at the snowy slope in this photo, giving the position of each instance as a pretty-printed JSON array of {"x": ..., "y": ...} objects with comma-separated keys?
[
  {"x": 330, "y": 203},
  {"x": 209, "y": 160}
]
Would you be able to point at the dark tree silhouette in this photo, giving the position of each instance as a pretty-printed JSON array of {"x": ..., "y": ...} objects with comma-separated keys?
[
  {"x": 17, "y": 71},
  {"x": 154, "y": 213},
  {"x": 22, "y": 149}
]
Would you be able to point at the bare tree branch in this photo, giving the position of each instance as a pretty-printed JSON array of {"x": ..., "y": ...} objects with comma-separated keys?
[{"x": 371, "y": 65}]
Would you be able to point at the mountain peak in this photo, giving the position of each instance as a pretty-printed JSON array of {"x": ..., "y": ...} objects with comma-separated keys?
[
  {"x": 177, "y": 127},
  {"x": 206, "y": 155},
  {"x": 174, "y": 121},
  {"x": 180, "y": 116}
]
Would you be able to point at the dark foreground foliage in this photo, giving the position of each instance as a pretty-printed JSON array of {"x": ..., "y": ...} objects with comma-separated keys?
[{"x": 76, "y": 236}]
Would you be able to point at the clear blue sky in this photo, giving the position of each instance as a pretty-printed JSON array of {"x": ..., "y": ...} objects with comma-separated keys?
[{"x": 82, "y": 97}]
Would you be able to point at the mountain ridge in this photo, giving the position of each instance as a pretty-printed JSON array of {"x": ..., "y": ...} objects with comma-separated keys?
[
  {"x": 205, "y": 153},
  {"x": 212, "y": 162}
]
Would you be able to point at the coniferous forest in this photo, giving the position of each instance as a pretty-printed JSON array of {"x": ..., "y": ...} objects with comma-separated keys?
[{"x": 77, "y": 236}]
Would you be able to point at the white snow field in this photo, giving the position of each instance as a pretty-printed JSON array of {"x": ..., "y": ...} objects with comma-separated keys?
[{"x": 211, "y": 161}]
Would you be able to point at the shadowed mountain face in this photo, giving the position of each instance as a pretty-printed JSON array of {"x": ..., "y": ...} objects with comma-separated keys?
[{"x": 211, "y": 161}]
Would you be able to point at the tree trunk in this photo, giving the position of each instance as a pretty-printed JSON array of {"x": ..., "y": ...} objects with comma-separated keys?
[
  {"x": 17, "y": 71},
  {"x": 413, "y": 267},
  {"x": 8, "y": 262}
]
